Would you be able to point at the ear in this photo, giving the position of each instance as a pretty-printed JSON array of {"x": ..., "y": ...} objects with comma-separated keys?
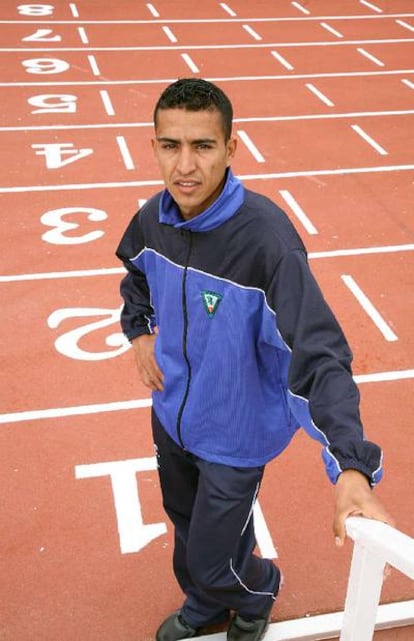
[{"x": 231, "y": 150}]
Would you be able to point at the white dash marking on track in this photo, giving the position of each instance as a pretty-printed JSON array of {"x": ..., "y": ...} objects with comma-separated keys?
[
  {"x": 245, "y": 138},
  {"x": 369, "y": 140},
  {"x": 282, "y": 60},
  {"x": 153, "y": 10},
  {"x": 335, "y": 32},
  {"x": 370, "y": 57},
  {"x": 264, "y": 538},
  {"x": 189, "y": 61},
  {"x": 226, "y": 8},
  {"x": 82, "y": 34},
  {"x": 370, "y": 6},
  {"x": 319, "y": 95},
  {"x": 405, "y": 25},
  {"x": 252, "y": 32},
  {"x": 125, "y": 153},
  {"x": 110, "y": 111},
  {"x": 94, "y": 65},
  {"x": 369, "y": 308},
  {"x": 408, "y": 83},
  {"x": 74, "y": 9},
  {"x": 171, "y": 37},
  {"x": 299, "y": 6},
  {"x": 298, "y": 211}
]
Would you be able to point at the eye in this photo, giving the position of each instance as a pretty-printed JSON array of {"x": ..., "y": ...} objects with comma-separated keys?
[
  {"x": 204, "y": 145},
  {"x": 168, "y": 145}
]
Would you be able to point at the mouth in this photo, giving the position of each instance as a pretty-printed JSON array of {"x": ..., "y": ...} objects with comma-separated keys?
[{"x": 186, "y": 186}]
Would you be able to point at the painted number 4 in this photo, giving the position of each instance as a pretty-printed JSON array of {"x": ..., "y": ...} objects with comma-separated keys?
[{"x": 60, "y": 154}]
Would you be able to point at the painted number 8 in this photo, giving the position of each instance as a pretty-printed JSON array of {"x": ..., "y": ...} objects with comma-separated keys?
[{"x": 35, "y": 9}]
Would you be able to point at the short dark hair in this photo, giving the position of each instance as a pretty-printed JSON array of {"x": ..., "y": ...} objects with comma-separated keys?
[{"x": 196, "y": 94}]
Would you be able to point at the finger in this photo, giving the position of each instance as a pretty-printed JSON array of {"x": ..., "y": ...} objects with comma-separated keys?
[{"x": 339, "y": 531}]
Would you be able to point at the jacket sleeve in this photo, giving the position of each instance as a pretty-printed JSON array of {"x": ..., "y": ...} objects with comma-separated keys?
[
  {"x": 137, "y": 314},
  {"x": 322, "y": 394}
]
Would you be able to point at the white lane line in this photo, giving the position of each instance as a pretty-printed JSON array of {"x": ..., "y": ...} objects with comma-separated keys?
[
  {"x": 201, "y": 21},
  {"x": 370, "y": 57},
  {"x": 282, "y": 60},
  {"x": 163, "y": 81},
  {"x": 301, "y": 8},
  {"x": 125, "y": 153},
  {"x": 369, "y": 140},
  {"x": 110, "y": 111},
  {"x": 226, "y": 8},
  {"x": 171, "y": 37},
  {"x": 362, "y": 251},
  {"x": 252, "y": 32},
  {"x": 408, "y": 83},
  {"x": 94, "y": 66},
  {"x": 117, "y": 406},
  {"x": 78, "y": 273},
  {"x": 405, "y": 25},
  {"x": 153, "y": 10},
  {"x": 77, "y": 410},
  {"x": 245, "y": 138},
  {"x": 329, "y": 626},
  {"x": 83, "y": 36},
  {"x": 114, "y": 271},
  {"x": 335, "y": 32},
  {"x": 74, "y": 10},
  {"x": 345, "y": 171},
  {"x": 298, "y": 211},
  {"x": 369, "y": 308},
  {"x": 371, "y": 6},
  {"x": 381, "y": 377},
  {"x": 319, "y": 95},
  {"x": 213, "y": 47},
  {"x": 190, "y": 63}
]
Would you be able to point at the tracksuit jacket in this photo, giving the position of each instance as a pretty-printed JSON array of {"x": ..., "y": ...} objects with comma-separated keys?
[{"x": 249, "y": 349}]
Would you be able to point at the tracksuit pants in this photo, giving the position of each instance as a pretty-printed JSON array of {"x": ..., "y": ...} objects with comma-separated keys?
[{"x": 211, "y": 507}]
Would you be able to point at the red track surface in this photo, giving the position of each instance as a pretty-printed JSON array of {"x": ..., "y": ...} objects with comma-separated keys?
[{"x": 64, "y": 574}]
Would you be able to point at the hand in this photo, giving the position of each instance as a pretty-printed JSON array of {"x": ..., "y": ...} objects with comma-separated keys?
[
  {"x": 354, "y": 497},
  {"x": 148, "y": 369}
]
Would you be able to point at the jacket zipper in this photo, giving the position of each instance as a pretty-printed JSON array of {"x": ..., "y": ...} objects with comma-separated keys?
[{"x": 185, "y": 330}]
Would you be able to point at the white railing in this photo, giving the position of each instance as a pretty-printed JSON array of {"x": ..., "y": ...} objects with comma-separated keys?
[{"x": 375, "y": 545}]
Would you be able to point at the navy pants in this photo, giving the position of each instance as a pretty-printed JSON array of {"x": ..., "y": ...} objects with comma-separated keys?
[{"x": 211, "y": 507}]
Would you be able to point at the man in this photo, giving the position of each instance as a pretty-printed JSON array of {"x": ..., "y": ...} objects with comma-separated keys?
[{"x": 231, "y": 333}]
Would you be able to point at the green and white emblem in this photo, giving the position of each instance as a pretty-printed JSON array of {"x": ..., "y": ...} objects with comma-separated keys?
[{"x": 211, "y": 302}]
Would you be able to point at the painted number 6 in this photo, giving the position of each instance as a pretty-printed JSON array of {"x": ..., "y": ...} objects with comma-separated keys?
[{"x": 45, "y": 65}]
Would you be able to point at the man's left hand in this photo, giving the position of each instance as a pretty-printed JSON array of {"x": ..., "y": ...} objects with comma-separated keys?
[{"x": 354, "y": 497}]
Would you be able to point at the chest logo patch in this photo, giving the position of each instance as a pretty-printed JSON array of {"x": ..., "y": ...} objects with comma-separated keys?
[{"x": 211, "y": 302}]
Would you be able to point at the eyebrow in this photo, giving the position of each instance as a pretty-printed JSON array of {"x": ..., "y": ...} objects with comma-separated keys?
[{"x": 198, "y": 141}]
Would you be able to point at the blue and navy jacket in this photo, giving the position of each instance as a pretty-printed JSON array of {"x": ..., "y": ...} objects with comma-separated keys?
[{"x": 249, "y": 349}]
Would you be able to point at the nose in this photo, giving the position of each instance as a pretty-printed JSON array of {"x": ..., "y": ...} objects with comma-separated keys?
[{"x": 186, "y": 163}]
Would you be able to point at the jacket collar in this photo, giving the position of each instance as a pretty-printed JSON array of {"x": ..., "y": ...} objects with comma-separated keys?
[{"x": 226, "y": 205}]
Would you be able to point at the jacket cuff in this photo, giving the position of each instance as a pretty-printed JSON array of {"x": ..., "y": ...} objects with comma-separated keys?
[{"x": 366, "y": 458}]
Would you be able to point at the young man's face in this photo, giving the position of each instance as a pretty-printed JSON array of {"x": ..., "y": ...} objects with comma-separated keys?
[{"x": 193, "y": 156}]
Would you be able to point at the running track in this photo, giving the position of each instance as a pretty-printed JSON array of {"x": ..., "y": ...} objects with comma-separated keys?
[{"x": 324, "y": 100}]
